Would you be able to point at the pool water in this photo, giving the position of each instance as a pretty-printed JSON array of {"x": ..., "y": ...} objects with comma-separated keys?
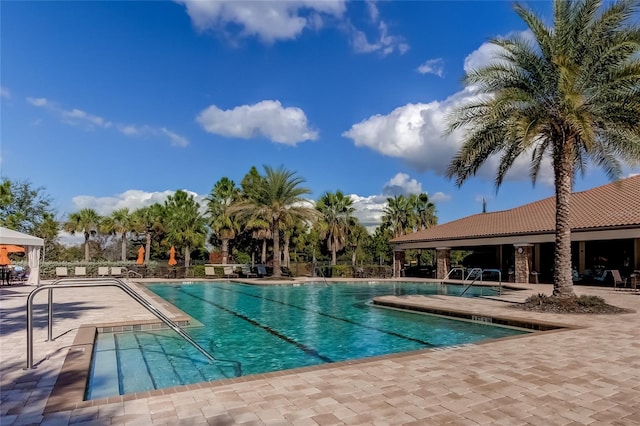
[{"x": 253, "y": 329}]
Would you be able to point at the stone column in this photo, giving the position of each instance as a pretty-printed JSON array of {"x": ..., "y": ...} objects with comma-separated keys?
[
  {"x": 443, "y": 262},
  {"x": 523, "y": 263},
  {"x": 398, "y": 263}
]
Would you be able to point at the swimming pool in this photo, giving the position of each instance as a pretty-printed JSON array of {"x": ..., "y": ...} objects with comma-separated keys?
[{"x": 253, "y": 329}]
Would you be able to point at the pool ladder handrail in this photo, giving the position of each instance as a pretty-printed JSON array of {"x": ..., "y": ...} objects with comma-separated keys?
[
  {"x": 481, "y": 272},
  {"x": 96, "y": 282}
]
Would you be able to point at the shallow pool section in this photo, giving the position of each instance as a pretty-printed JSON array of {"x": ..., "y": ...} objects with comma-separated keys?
[{"x": 253, "y": 329}]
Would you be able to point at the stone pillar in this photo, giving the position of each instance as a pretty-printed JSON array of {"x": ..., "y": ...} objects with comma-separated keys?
[
  {"x": 443, "y": 262},
  {"x": 523, "y": 263},
  {"x": 398, "y": 263}
]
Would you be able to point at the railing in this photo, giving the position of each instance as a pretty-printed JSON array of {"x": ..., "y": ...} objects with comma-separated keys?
[
  {"x": 98, "y": 282},
  {"x": 479, "y": 275}
]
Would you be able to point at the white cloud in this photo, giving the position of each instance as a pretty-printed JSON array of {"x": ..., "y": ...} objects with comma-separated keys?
[
  {"x": 5, "y": 93},
  {"x": 369, "y": 208},
  {"x": 272, "y": 21},
  {"x": 416, "y": 133},
  {"x": 268, "y": 20},
  {"x": 132, "y": 199},
  {"x": 432, "y": 66},
  {"x": 266, "y": 118},
  {"x": 401, "y": 184},
  {"x": 39, "y": 102},
  {"x": 78, "y": 117}
]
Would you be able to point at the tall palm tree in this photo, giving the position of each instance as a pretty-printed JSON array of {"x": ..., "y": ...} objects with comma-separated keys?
[
  {"x": 357, "y": 238},
  {"x": 335, "y": 216},
  {"x": 398, "y": 215},
  {"x": 149, "y": 220},
  {"x": 223, "y": 224},
  {"x": 572, "y": 94},
  {"x": 86, "y": 221},
  {"x": 120, "y": 222},
  {"x": 278, "y": 196},
  {"x": 424, "y": 211},
  {"x": 186, "y": 226}
]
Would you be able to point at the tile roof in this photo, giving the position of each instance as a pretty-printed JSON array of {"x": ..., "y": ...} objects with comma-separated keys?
[{"x": 614, "y": 205}]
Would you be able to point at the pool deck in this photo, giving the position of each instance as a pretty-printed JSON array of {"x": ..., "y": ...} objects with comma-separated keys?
[{"x": 586, "y": 374}]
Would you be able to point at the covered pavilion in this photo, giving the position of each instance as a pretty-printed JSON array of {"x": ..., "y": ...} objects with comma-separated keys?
[
  {"x": 605, "y": 234},
  {"x": 31, "y": 244}
]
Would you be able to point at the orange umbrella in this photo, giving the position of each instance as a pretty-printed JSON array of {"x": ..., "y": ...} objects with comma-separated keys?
[
  {"x": 172, "y": 257},
  {"x": 12, "y": 248},
  {"x": 4, "y": 256},
  {"x": 140, "y": 259}
]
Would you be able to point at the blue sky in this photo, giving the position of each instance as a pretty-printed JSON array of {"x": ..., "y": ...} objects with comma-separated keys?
[{"x": 118, "y": 104}]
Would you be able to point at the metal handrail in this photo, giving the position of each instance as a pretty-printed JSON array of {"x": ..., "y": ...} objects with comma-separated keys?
[
  {"x": 457, "y": 268},
  {"x": 482, "y": 271},
  {"x": 98, "y": 282}
]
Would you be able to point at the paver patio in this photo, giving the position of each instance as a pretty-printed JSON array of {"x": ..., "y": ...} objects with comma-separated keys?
[{"x": 589, "y": 374}]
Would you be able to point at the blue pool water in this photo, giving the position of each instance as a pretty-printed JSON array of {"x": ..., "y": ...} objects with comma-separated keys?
[{"x": 253, "y": 329}]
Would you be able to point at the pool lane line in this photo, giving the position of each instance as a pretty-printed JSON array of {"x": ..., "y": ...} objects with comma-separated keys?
[
  {"x": 304, "y": 348},
  {"x": 380, "y": 330},
  {"x": 146, "y": 363}
]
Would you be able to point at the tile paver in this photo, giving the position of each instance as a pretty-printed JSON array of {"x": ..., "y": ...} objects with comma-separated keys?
[{"x": 589, "y": 374}]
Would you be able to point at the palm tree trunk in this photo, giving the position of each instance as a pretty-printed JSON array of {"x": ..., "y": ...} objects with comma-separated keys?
[
  {"x": 147, "y": 253},
  {"x": 276, "y": 249},
  {"x": 225, "y": 251},
  {"x": 124, "y": 247},
  {"x": 287, "y": 258},
  {"x": 187, "y": 256},
  {"x": 353, "y": 256},
  {"x": 563, "y": 165},
  {"x": 86, "y": 246},
  {"x": 263, "y": 255}
]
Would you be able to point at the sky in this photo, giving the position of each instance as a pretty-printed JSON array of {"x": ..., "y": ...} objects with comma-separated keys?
[{"x": 111, "y": 104}]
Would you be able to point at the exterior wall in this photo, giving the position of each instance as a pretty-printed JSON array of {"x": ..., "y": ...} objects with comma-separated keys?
[
  {"x": 443, "y": 262},
  {"x": 523, "y": 263},
  {"x": 398, "y": 262}
]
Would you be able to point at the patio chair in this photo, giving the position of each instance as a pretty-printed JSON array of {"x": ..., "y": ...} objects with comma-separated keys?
[
  {"x": 209, "y": 272},
  {"x": 62, "y": 272},
  {"x": 246, "y": 272},
  {"x": 103, "y": 271},
  {"x": 229, "y": 272},
  {"x": 118, "y": 271},
  {"x": 618, "y": 280},
  {"x": 80, "y": 271},
  {"x": 262, "y": 271}
]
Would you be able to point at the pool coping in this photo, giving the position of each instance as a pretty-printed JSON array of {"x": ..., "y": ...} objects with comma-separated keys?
[{"x": 70, "y": 387}]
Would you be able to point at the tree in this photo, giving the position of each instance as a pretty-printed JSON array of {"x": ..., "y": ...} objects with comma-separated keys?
[
  {"x": 357, "y": 237},
  {"x": 186, "y": 227},
  {"x": 48, "y": 231},
  {"x": 424, "y": 211},
  {"x": 335, "y": 217},
  {"x": 86, "y": 221},
  {"x": 572, "y": 94},
  {"x": 219, "y": 203},
  {"x": 398, "y": 215},
  {"x": 149, "y": 220},
  {"x": 23, "y": 207},
  {"x": 278, "y": 196},
  {"x": 120, "y": 222}
]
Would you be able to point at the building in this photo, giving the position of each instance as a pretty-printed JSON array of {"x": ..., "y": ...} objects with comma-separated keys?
[{"x": 605, "y": 234}]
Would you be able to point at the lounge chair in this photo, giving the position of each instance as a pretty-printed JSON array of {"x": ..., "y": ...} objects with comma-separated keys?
[
  {"x": 618, "y": 282},
  {"x": 103, "y": 271},
  {"x": 246, "y": 272},
  {"x": 229, "y": 272},
  {"x": 62, "y": 272},
  {"x": 209, "y": 272},
  {"x": 262, "y": 271},
  {"x": 118, "y": 271},
  {"x": 80, "y": 271}
]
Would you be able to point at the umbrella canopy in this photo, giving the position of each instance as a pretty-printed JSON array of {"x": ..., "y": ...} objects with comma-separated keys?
[
  {"x": 12, "y": 248},
  {"x": 4, "y": 257},
  {"x": 172, "y": 257},
  {"x": 140, "y": 259}
]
